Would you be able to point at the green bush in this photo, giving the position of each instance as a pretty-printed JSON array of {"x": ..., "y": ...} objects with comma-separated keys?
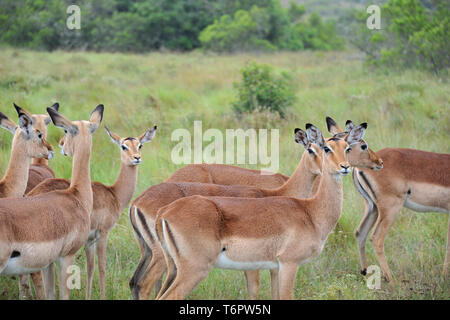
[{"x": 262, "y": 88}]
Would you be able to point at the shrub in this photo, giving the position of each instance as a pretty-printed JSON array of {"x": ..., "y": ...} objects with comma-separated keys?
[{"x": 262, "y": 88}]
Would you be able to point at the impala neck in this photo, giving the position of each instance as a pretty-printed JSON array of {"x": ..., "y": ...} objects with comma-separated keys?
[
  {"x": 125, "y": 184},
  {"x": 16, "y": 176},
  {"x": 39, "y": 162},
  {"x": 81, "y": 173},
  {"x": 300, "y": 183},
  {"x": 326, "y": 205}
]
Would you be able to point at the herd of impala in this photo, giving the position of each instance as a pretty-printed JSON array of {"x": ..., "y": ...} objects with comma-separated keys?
[{"x": 204, "y": 215}]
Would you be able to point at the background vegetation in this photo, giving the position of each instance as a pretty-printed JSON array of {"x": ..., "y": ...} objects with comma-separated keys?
[{"x": 403, "y": 108}]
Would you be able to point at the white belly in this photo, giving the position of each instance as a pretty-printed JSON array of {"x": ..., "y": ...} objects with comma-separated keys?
[
  {"x": 224, "y": 262},
  {"x": 14, "y": 267},
  {"x": 420, "y": 208}
]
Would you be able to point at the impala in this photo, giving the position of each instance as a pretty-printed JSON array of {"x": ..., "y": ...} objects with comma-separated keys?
[
  {"x": 145, "y": 207},
  {"x": 418, "y": 180},
  {"x": 302, "y": 184},
  {"x": 249, "y": 234},
  {"x": 109, "y": 201},
  {"x": 227, "y": 175},
  {"x": 37, "y": 231},
  {"x": 17, "y": 174}
]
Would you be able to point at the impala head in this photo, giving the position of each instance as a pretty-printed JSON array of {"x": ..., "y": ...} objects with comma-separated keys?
[
  {"x": 41, "y": 121},
  {"x": 334, "y": 157},
  {"x": 31, "y": 139},
  {"x": 131, "y": 147},
  {"x": 358, "y": 152},
  {"x": 77, "y": 133},
  {"x": 314, "y": 156}
]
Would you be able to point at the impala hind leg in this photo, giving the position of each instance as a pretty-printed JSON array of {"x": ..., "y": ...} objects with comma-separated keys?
[
  {"x": 288, "y": 271},
  {"x": 252, "y": 281},
  {"x": 48, "y": 274},
  {"x": 101, "y": 260},
  {"x": 387, "y": 212},
  {"x": 153, "y": 273},
  {"x": 24, "y": 287},
  {"x": 171, "y": 274},
  {"x": 38, "y": 283},
  {"x": 146, "y": 257},
  {"x": 362, "y": 233},
  {"x": 63, "y": 267},
  {"x": 187, "y": 278},
  {"x": 89, "y": 249}
]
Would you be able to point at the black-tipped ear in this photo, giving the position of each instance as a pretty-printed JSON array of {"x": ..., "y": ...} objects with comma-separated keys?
[
  {"x": 55, "y": 106},
  {"x": 114, "y": 137},
  {"x": 60, "y": 121},
  {"x": 332, "y": 126},
  {"x": 96, "y": 118},
  {"x": 356, "y": 134},
  {"x": 349, "y": 126},
  {"x": 301, "y": 137},
  {"x": 7, "y": 123},
  {"x": 315, "y": 135},
  {"x": 148, "y": 135}
]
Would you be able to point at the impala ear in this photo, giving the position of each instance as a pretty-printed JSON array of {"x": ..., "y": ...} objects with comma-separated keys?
[
  {"x": 332, "y": 126},
  {"x": 7, "y": 123},
  {"x": 349, "y": 126},
  {"x": 25, "y": 120},
  {"x": 148, "y": 135},
  {"x": 114, "y": 137},
  {"x": 301, "y": 137},
  {"x": 62, "y": 122},
  {"x": 96, "y": 118},
  {"x": 356, "y": 134},
  {"x": 47, "y": 120},
  {"x": 315, "y": 135}
]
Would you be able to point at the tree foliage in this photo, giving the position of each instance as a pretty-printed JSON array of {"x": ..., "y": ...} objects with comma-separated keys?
[
  {"x": 142, "y": 25},
  {"x": 262, "y": 88}
]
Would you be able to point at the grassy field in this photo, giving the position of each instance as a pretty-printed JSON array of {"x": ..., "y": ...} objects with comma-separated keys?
[{"x": 409, "y": 109}]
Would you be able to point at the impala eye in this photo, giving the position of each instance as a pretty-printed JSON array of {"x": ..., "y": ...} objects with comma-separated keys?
[
  {"x": 40, "y": 135},
  {"x": 310, "y": 151},
  {"x": 326, "y": 149},
  {"x": 124, "y": 147},
  {"x": 364, "y": 147},
  {"x": 140, "y": 146},
  {"x": 348, "y": 150}
]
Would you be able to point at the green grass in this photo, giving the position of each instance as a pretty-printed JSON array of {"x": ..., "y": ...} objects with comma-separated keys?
[{"x": 409, "y": 109}]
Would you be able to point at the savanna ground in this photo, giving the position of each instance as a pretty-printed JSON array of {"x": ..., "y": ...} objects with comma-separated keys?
[{"x": 403, "y": 109}]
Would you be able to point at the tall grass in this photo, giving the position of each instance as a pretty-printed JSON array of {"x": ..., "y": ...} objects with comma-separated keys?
[{"x": 409, "y": 109}]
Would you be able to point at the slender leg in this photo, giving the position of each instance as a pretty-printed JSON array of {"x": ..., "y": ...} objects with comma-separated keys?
[
  {"x": 274, "y": 283},
  {"x": 362, "y": 233},
  {"x": 153, "y": 273},
  {"x": 101, "y": 260},
  {"x": 49, "y": 281},
  {"x": 387, "y": 214},
  {"x": 63, "y": 264},
  {"x": 187, "y": 278},
  {"x": 170, "y": 275},
  {"x": 89, "y": 249},
  {"x": 38, "y": 285},
  {"x": 146, "y": 257},
  {"x": 447, "y": 253},
  {"x": 24, "y": 287},
  {"x": 288, "y": 271},
  {"x": 252, "y": 281}
]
